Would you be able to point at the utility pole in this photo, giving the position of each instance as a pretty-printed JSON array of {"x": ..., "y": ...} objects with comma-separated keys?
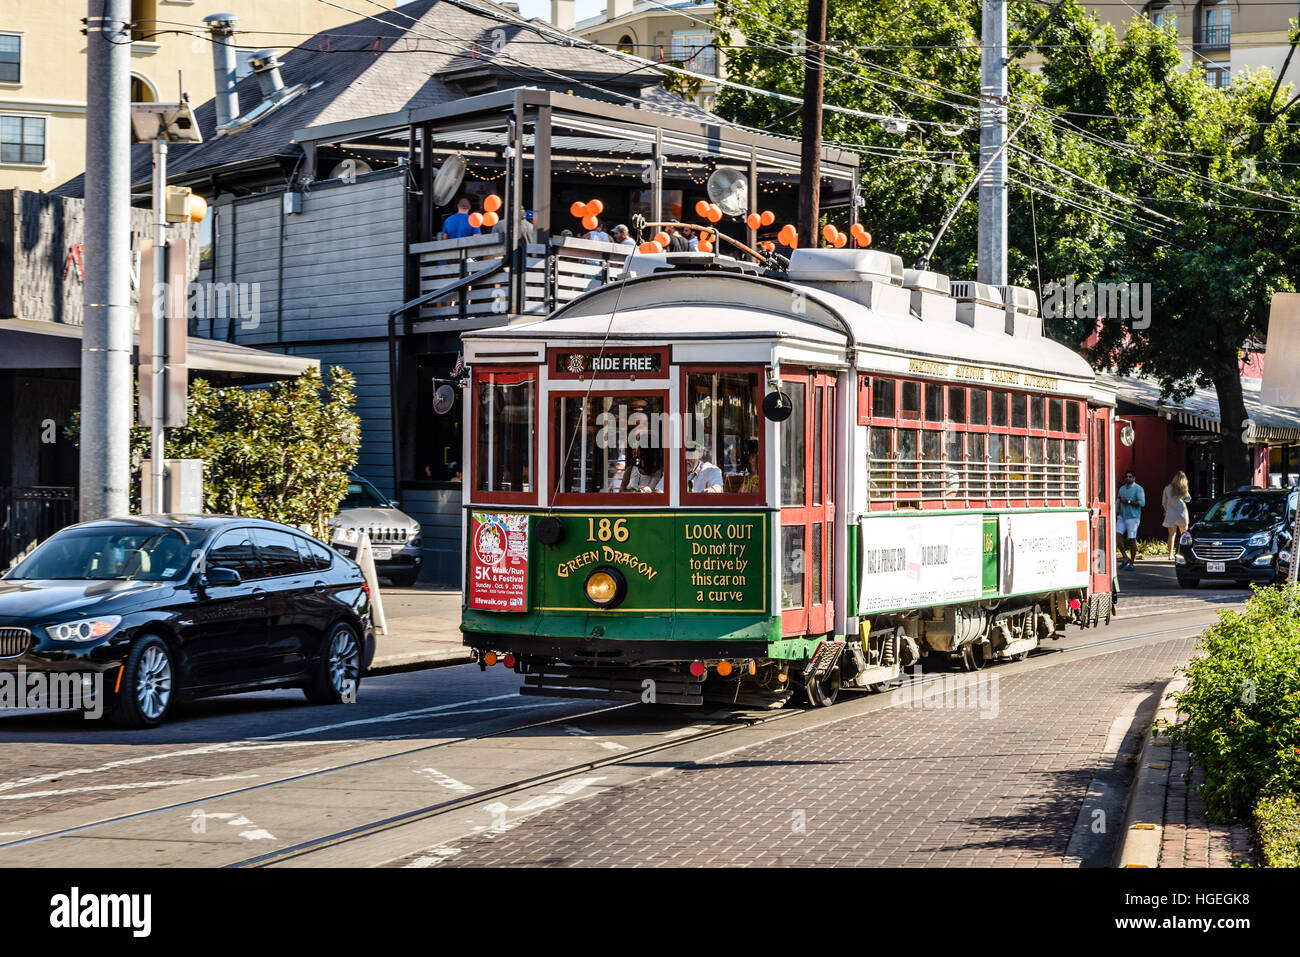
[
  {"x": 992, "y": 246},
  {"x": 105, "y": 467},
  {"x": 810, "y": 183},
  {"x": 158, "y": 337}
]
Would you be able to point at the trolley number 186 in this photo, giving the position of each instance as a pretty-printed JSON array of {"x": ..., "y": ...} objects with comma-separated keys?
[{"x": 607, "y": 530}]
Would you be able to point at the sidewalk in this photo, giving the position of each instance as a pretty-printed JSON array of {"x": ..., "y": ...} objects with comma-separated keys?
[{"x": 423, "y": 630}]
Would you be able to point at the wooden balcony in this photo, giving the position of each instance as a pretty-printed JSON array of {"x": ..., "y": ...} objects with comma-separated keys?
[{"x": 476, "y": 281}]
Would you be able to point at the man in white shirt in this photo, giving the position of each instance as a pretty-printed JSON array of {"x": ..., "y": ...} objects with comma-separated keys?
[
  {"x": 620, "y": 236},
  {"x": 701, "y": 474}
]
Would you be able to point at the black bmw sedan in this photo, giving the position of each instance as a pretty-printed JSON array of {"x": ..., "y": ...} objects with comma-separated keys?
[
  {"x": 152, "y": 609},
  {"x": 1244, "y": 536}
]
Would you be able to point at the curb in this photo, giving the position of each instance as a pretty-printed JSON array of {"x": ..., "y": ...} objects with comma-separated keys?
[
  {"x": 419, "y": 660},
  {"x": 1144, "y": 821}
]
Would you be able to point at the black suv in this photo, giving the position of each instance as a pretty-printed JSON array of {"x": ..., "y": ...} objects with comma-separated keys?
[
  {"x": 148, "y": 609},
  {"x": 1244, "y": 536}
]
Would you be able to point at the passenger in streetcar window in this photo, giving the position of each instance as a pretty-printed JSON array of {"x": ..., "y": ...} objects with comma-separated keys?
[
  {"x": 617, "y": 475},
  {"x": 753, "y": 478},
  {"x": 647, "y": 474},
  {"x": 701, "y": 474}
]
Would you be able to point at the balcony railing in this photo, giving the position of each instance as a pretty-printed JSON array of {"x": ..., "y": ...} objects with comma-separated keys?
[
  {"x": 1216, "y": 35},
  {"x": 485, "y": 280}
]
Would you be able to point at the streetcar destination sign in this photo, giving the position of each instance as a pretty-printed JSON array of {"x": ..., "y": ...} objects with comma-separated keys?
[{"x": 620, "y": 364}]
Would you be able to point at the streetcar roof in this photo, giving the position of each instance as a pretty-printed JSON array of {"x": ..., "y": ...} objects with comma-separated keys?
[{"x": 729, "y": 306}]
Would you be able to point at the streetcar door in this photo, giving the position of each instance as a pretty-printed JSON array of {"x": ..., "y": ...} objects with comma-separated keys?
[
  {"x": 1099, "y": 485},
  {"x": 808, "y": 504}
]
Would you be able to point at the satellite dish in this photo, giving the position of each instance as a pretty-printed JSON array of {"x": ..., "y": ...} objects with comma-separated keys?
[
  {"x": 777, "y": 406},
  {"x": 729, "y": 189},
  {"x": 448, "y": 180},
  {"x": 444, "y": 397},
  {"x": 349, "y": 170}
]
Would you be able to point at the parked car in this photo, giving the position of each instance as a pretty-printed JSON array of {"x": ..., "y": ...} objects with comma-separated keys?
[
  {"x": 395, "y": 539},
  {"x": 174, "y": 607},
  {"x": 1244, "y": 536}
]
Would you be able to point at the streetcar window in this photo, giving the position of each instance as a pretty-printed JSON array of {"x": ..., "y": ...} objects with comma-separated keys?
[
  {"x": 610, "y": 444},
  {"x": 1019, "y": 420},
  {"x": 997, "y": 462},
  {"x": 1054, "y": 415},
  {"x": 1035, "y": 456},
  {"x": 818, "y": 434},
  {"x": 881, "y": 465},
  {"x": 954, "y": 464},
  {"x": 722, "y": 420},
  {"x": 934, "y": 403},
  {"x": 999, "y": 416},
  {"x": 979, "y": 404},
  {"x": 793, "y": 444},
  {"x": 1015, "y": 456},
  {"x": 911, "y": 404},
  {"x": 1054, "y": 476},
  {"x": 792, "y": 564},
  {"x": 956, "y": 404},
  {"x": 906, "y": 462},
  {"x": 1072, "y": 417},
  {"x": 882, "y": 398},
  {"x": 506, "y": 433},
  {"x": 932, "y": 459},
  {"x": 1037, "y": 414},
  {"x": 976, "y": 479}
]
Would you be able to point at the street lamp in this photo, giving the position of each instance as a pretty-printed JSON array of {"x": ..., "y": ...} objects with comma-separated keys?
[{"x": 160, "y": 124}]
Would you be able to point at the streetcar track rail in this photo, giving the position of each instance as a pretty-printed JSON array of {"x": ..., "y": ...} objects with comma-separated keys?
[{"x": 745, "y": 721}]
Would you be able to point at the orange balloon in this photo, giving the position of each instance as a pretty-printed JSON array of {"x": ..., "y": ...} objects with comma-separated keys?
[
  {"x": 702, "y": 209},
  {"x": 753, "y": 221},
  {"x": 705, "y": 246},
  {"x": 787, "y": 235},
  {"x": 490, "y": 219},
  {"x": 663, "y": 239},
  {"x": 578, "y": 210},
  {"x": 491, "y": 203},
  {"x": 840, "y": 240},
  {"x": 769, "y": 246},
  {"x": 589, "y": 222},
  {"x": 706, "y": 235},
  {"x": 828, "y": 232},
  {"x": 476, "y": 220},
  {"x": 595, "y": 208},
  {"x": 650, "y": 247},
  {"x": 855, "y": 229},
  {"x": 865, "y": 238},
  {"x": 767, "y": 217},
  {"x": 715, "y": 214}
]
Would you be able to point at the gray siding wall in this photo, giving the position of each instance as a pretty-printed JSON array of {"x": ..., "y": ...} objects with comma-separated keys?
[{"x": 439, "y": 513}]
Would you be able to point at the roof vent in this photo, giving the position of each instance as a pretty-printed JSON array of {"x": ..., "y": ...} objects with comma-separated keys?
[
  {"x": 979, "y": 306},
  {"x": 1022, "y": 318},
  {"x": 866, "y": 276},
  {"x": 222, "y": 27},
  {"x": 931, "y": 295},
  {"x": 266, "y": 67}
]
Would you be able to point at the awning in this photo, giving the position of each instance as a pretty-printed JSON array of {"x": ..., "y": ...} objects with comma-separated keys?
[
  {"x": 1264, "y": 423},
  {"x": 35, "y": 344}
]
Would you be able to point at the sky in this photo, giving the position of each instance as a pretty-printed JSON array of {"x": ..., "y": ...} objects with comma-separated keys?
[{"x": 542, "y": 8}]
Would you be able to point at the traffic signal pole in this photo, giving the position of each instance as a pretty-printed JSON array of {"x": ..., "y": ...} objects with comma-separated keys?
[
  {"x": 105, "y": 451},
  {"x": 992, "y": 243},
  {"x": 159, "y": 318}
]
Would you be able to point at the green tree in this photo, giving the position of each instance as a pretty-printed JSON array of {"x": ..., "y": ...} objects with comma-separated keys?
[{"x": 281, "y": 453}]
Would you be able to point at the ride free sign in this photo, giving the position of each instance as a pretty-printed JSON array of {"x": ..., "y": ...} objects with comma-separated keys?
[{"x": 498, "y": 561}]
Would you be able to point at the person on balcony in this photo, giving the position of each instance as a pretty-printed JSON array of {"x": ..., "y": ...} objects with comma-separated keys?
[
  {"x": 456, "y": 226},
  {"x": 620, "y": 235}
]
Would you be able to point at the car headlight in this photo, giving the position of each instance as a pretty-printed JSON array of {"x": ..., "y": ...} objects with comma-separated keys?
[
  {"x": 85, "y": 629},
  {"x": 605, "y": 587},
  {"x": 1284, "y": 556},
  {"x": 1186, "y": 539},
  {"x": 1259, "y": 539}
]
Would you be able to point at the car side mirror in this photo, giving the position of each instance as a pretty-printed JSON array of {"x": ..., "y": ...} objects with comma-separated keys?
[
  {"x": 394, "y": 503},
  {"x": 221, "y": 576}
]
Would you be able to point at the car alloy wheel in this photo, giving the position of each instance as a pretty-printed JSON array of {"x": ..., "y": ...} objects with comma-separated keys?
[
  {"x": 344, "y": 664},
  {"x": 153, "y": 683}
]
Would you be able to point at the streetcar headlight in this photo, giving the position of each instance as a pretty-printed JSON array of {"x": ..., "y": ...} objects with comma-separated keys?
[{"x": 605, "y": 587}]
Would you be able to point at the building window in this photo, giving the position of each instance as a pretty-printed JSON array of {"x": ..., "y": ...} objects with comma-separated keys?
[
  {"x": 11, "y": 56},
  {"x": 1217, "y": 77},
  {"x": 1217, "y": 25},
  {"x": 142, "y": 90},
  {"x": 22, "y": 139},
  {"x": 144, "y": 19},
  {"x": 694, "y": 50},
  {"x": 1162, "y": 15},
  {"x": 626, "y": 44}
]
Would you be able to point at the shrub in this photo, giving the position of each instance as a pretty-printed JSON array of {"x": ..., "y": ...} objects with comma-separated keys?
[
  {"x": 1277, "y": 822},
  {"x": 1242, "y": 704}
]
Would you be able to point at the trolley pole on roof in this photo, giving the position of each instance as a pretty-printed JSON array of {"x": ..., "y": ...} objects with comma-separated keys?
[
  {"x": 811, "y": 152},
  {"x": 992, "y": 246}
]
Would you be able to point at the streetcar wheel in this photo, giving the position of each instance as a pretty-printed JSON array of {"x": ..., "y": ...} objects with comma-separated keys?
[
  {"x": 973, "y": 657},
  {"x": 822, "y": 692}
]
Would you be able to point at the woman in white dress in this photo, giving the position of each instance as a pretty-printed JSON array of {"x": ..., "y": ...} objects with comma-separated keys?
[{"x": 1175, "y": 499}]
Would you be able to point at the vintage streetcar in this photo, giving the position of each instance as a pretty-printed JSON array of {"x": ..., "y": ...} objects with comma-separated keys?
[{"x": 716, "y": 480}]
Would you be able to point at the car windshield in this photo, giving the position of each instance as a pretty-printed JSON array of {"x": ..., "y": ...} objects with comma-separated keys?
[
  {"x": 361, "y": 494},
  {"x": 125, "y": 552},
  {"x": 1247, "y": 509}
]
